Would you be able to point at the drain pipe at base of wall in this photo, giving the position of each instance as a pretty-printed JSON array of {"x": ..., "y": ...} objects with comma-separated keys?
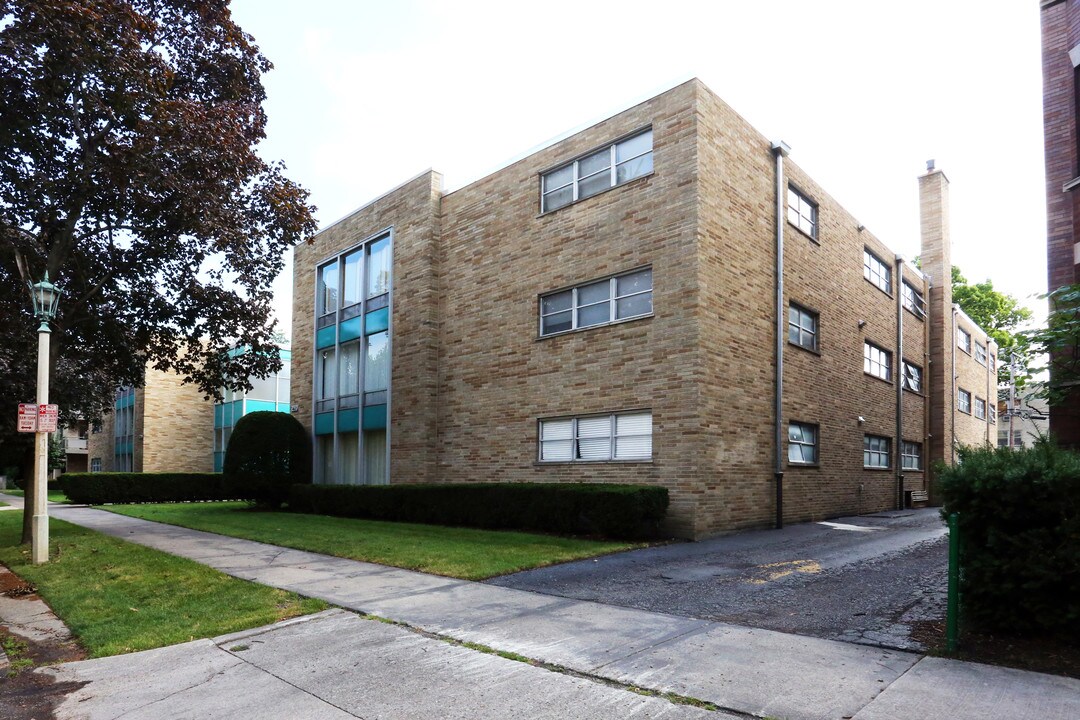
[
  {"x": 780, "y": 150},
  {"x": 900, "y": 382}
]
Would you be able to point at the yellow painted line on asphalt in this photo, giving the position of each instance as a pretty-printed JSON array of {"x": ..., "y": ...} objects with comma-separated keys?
[{"x": 775, "y": 571}]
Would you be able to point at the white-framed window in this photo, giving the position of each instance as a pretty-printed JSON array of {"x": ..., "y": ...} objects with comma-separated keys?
[
  {"x": 802, "y": 212},
  {"x": 993, "y": 362},
  {"x": 963, "y": 340},
  {"x": 913, "y": 300},
  {"x": 963, "y": 401},
  {"x": 980, "y": 408},
  {"x": 910, "y": 455},
  {"x": 980, "y": 353},
  {"x": 912, "y": 377},
  {"x": 876, "y": 271},
  {"x": 591, "y": 438},
  {"x": 95, "y": 464},
  {"x": 802, "y": 443},
  {"x": 876, "y": 451},
  {"x": 877, "y": 361},
  {"x": 597, "y": 303},
  {"x": 993, "y": 413},
  {"x": 802, "y": 327},
  {"x": 598, "y": 171}
]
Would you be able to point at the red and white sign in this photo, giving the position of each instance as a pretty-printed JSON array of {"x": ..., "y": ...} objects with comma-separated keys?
[
  {"x": 46, "y": 419},
  {"x": 28, "y": 413}
]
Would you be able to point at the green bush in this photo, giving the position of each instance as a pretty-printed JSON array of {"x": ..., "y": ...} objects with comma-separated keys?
[
  {"x": 268, "y": 453},
  {"x": 99, "y": 488},
  {"x": 1019, "y": 525},
  {"x": 621, "y": 511}
]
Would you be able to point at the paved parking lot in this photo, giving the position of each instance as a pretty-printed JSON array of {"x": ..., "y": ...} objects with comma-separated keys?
[{"x": 865, "y": 579}]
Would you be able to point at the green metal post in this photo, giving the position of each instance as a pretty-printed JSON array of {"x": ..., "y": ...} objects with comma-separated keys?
[{"x": 952, "y": 618}]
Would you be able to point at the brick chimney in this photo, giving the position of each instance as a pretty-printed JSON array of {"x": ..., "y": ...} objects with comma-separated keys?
[{"x": 936, "y": 262}]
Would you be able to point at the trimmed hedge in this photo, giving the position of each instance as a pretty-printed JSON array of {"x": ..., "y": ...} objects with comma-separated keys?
[
  {"x": 99, "y": 488},
  {"x": 1019, "y": 524},
  {"x": 620, "y": 511},
  {"x": 268, "y": 453}
]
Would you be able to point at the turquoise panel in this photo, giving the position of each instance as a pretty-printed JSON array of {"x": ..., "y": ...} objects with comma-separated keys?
[
  {"x": 285, "y": 355},
  {"x": 324, "y": 423},
  {"x": 219, "y": 413},
  {"x": 325, "y": 337},
  {"x": 257, "y": 405},
  {"x": 350, "y": 329},
  {"x": 219, "y": 461},
  {"x": 237, "y": 411},
  {"x": 226, "y": 415},
  {"x": 374, "y": 417},
  {"x": 283, "y": 407},
  {"x": 377, "y": 321},
  {"x": 348, "y": 420}
]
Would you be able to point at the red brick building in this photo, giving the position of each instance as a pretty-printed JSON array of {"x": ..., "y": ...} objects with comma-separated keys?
[{"x": 1061, "y": 107}]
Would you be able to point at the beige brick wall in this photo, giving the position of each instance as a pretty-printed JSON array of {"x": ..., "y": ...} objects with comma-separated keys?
[
  {"x": 101, "y": 444},
  {"x": 827, "y": 388},
  {"x": 174, "y": 426},
  {"x": 977, "y": 379},
  {"x": 471, "y": 377},
  {"x": 499, "y": 255}
]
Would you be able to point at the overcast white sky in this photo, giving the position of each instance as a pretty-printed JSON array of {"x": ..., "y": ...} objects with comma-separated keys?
[{"x": 366, "y": 94}]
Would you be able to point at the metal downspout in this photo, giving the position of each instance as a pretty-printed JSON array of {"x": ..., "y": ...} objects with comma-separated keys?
[
  {"x": 900, "y": 382},
  {"x": 779, "y": 149}
]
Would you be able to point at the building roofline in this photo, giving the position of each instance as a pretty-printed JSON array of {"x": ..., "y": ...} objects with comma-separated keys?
[
  {"x": 621, "y": 108},
  {"x": 374, "y": 200},
  {"x": 986, "y": 336}
]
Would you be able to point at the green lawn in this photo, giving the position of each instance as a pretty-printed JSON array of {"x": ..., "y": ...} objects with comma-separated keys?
[
  {"x": 118, "y": 597},
  {"x": 56, "y": 497},
  {"x": 466, "y": 553}
]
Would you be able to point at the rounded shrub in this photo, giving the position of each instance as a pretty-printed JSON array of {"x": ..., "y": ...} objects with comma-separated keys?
[
  {"x": 1019, "y": 524},
  {"x": 268, "y": 453}
]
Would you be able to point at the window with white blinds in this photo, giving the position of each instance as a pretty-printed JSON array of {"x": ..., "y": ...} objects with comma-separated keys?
[{"x": 625, "y": 436}]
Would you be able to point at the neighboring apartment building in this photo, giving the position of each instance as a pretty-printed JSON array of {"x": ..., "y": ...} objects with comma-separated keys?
[
  {"x": 605, "y": 310},
  {"x": 75, "y": 446},
  {"x": 168, "y": 426},
  {"x": 164, "y": 426},
  {"x": 1028, "y": 421},
  {"x": 1061, "y": 108}
]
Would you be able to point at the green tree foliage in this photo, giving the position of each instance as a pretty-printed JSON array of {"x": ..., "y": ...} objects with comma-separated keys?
[
  {"x": 128, "y": 171},
  {"x": 1059, "y": 345},
  {"x": 57, "y": 451},
  {"x": 1000, "y": 315}
]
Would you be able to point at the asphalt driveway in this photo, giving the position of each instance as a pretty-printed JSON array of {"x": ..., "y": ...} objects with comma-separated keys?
[{"x": 867, "y": 579}]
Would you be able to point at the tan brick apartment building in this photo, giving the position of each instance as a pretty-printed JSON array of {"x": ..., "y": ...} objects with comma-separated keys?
[
  {"x": 164, "y": 426},
  {"x": 1061, "y": 108},
  {"x": 168, "y": 426},
  {"x": 605, "y": 309}
]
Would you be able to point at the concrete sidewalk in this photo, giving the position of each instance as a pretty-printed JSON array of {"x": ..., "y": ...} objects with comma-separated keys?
[{"x": 741, "y": 670}]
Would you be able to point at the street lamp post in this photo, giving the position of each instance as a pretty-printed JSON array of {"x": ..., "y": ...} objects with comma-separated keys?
[{"x": 45, "y": 297}]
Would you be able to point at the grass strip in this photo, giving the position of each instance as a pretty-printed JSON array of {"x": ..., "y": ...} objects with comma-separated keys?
[
  {"x": 118, "y": 597},
  {"x": 466, "y": 553},
  {"x": 56, "y": 497}
]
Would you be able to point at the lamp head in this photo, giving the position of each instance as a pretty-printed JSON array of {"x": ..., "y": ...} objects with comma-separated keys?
[{"x": 45, "y": 297}]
